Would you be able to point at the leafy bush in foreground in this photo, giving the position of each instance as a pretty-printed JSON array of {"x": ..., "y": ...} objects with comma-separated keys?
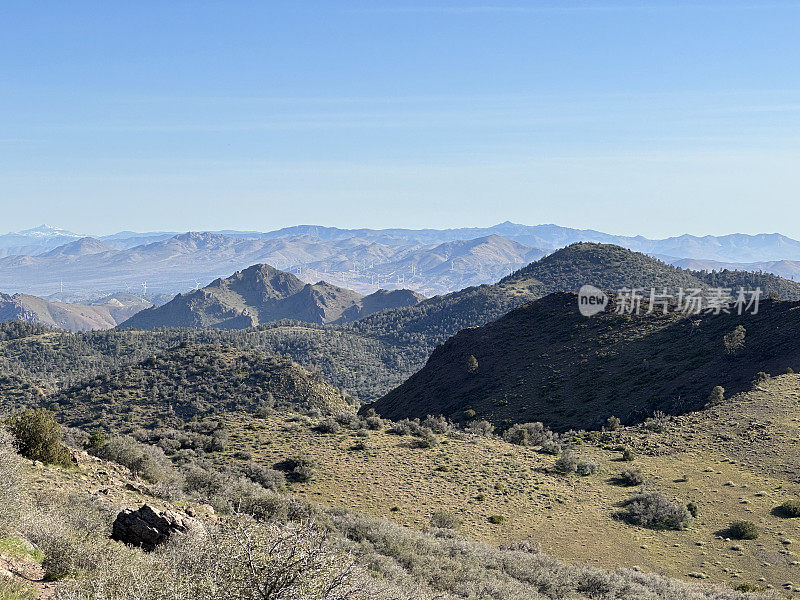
[
  {"x": 38, "y": 436},
  {"x": 10, "y": 476}
]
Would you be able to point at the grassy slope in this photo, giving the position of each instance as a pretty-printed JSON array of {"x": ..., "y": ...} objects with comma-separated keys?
[{"x": 573, "y": 517}]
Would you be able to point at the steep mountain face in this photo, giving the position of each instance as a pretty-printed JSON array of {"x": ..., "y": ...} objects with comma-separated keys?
[
  {"x": 103, "y": 314},
  {"x": 545, "y": 362},
  {"x": 262, "y": 294}
]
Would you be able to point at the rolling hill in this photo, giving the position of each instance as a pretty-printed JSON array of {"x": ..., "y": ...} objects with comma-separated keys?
[
  {"x": 545, "y": 362},
  {"x": 194, "y": 381}
]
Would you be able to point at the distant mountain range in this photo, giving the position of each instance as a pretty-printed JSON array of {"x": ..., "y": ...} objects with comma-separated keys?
[
  {"x": 429, "y": 261},
  {"x": 104, "y": 313}
]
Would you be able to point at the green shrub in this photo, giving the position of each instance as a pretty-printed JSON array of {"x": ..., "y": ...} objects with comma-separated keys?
[
  {"x": 11, "y": 478},
  {"x": 628, "y": 454},
  {"x": 693, "y": 509},
  {"x": 38, "y": 436},
  {"x": 743, "y": 530},
  {"x": 789, "y": 509},
  {"x": 613, "y": 424},
  {"x": 497, "y": 519},
  {"x": 97, "y": 439}
]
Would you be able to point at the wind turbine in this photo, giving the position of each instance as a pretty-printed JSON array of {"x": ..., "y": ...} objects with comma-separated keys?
[
  {"x": 196, "y": 285},
  {"x": 144, "y": 288}
]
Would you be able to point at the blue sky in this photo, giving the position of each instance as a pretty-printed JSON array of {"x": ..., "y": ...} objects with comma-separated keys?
[{"x": 654, "y": 118}]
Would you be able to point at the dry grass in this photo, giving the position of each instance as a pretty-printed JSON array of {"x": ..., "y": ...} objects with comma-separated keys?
[{"x": 701, "y": 458}]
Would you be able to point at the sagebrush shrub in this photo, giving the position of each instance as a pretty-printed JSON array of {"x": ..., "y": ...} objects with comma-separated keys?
[
  {"x": 566, "y": 463},
  {"x": 270, "y": 479},
  {"x": 743, "y": 530},
  {"x": 631, "y": 477},
  {"x": 374, "y": 422},
  {"x": 717, "y": 395},
  {"x": 651, "y": 508},
  {"x": 480, "y": 428},
  {"x": 551, "y": 446},
  {"x": 145, "y": 461},
  {"x": 328, "y": 426},
  {"x": 425, "y": 439},
  {"x": 445, "y": 520},
  {"x": 586, "y": 466},
  {"x": 790, "y": 509},
  {"x": 526, "y": 434},
  {"x": 300, "y": 468}
]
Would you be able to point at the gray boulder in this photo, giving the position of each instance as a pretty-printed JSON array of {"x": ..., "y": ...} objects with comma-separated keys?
[{"x": 147, "y": 527}]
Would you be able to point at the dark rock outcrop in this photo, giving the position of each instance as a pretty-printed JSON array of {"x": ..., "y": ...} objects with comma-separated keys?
[{"x": 147, "y": 527}]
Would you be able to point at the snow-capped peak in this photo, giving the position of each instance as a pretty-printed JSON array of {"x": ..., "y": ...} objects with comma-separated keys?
[{"x": 47, "y": 231}]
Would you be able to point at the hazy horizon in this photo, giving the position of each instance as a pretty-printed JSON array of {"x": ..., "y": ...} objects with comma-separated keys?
[{"x": 243, "y": 229}]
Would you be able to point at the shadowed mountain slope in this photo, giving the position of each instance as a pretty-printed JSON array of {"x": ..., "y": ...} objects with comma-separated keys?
[{"x": 545, "y": 362}]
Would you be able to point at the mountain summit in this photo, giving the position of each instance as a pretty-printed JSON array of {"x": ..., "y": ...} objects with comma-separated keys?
[{"x": 261, "y": 294}]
